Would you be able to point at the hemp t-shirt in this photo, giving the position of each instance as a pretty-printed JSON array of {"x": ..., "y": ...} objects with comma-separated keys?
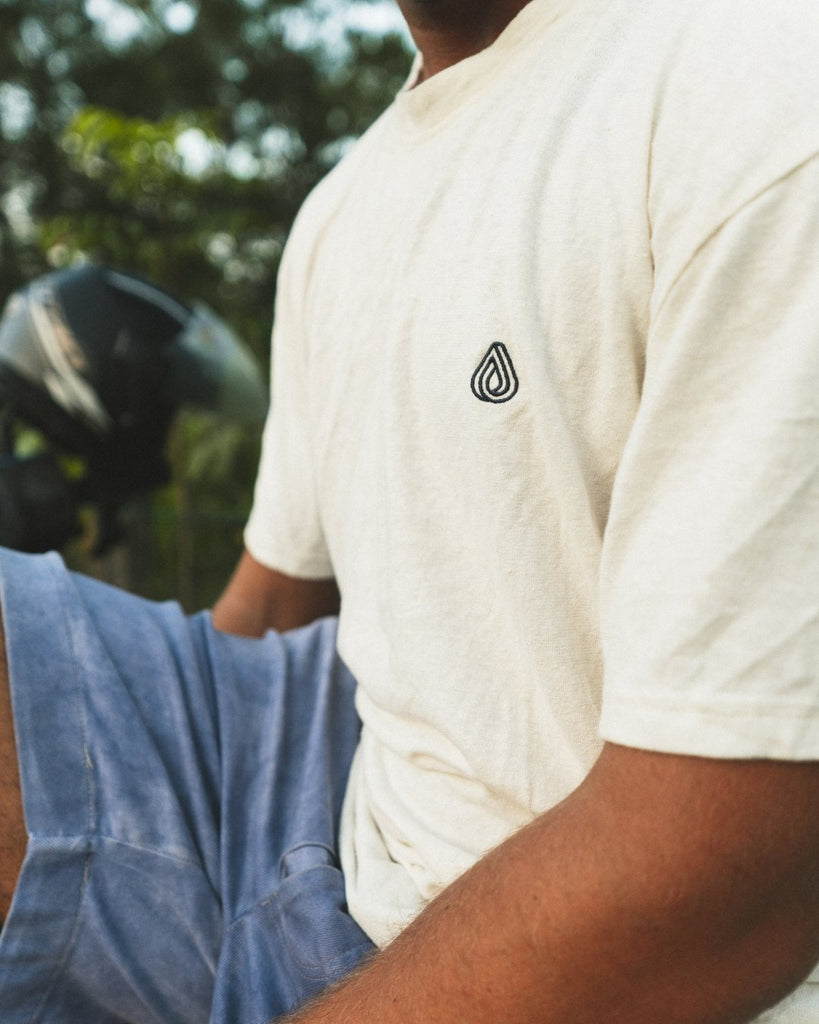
[{"x": 546, "y": 404}]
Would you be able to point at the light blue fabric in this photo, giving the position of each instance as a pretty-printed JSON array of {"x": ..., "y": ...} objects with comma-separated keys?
[{"x": 182, "y": 790}]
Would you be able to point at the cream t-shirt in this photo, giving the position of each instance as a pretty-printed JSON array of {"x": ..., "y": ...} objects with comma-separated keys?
[{"x": 546, "y": 403}]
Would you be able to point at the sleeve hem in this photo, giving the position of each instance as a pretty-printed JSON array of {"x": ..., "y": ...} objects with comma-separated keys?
[
  {"x": 289, "y": 563},
  {"x": 770, "y": 731}
]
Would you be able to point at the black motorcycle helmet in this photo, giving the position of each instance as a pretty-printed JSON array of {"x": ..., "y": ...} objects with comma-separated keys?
[{"x": 99, "y": 361}]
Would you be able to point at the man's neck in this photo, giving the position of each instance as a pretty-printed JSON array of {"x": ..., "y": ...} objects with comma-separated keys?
[{"x": 447, "y": 31}]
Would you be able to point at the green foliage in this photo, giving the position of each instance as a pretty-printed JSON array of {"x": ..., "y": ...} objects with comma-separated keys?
[{"x": 176, "y": 140}]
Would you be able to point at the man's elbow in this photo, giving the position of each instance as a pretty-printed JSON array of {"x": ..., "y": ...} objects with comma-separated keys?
[
  {"x": 726, "y": 886},
  {"x": 773, "y": 951}
]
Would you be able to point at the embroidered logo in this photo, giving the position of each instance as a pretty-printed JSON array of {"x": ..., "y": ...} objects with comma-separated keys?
[{"x": 495, "y": 379}]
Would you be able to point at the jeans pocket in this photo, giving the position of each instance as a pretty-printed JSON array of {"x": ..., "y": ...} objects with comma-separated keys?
[{"x": 322, "y": 940}]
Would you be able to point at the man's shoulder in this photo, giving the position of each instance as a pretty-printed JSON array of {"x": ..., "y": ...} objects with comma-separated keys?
[
  {"x": 724, "y": 19},
  {"x": 733, "y": 96},
  {"x": 732, "y": 41},
  {"x": 333, "y": 190}
]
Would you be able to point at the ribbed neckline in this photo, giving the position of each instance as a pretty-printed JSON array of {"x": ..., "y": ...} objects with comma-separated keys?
[{"x": 422, "y": 107}]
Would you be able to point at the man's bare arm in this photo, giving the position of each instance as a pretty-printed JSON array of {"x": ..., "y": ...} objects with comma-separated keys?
[
  {"x": 666, "y": 889},
  {"x": 13, "y": 836},
  {"x": 257, "y": 599}
]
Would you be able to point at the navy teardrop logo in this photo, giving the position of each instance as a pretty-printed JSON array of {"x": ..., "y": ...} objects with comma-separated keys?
[{"x": 495, "y": 379}]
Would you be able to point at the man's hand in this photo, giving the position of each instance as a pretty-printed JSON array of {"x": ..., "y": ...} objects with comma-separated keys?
[
  {"x": 257, "y": 599},
  {"x": 666, "y": 889}
]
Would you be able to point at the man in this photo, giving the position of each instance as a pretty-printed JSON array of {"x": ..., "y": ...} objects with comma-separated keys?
[{"x": 545, "y": 407}]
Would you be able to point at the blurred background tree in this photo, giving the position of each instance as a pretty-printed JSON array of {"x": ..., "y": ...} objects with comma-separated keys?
[{"x": 176, "y": 139}]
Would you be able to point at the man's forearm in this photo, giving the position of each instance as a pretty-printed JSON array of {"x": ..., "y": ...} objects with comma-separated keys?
[{"x": 665, "y": 889}]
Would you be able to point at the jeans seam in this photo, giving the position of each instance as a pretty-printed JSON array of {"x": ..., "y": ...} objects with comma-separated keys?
[
  {"x": 90, "y": 795},
  {"x": 83, "y": 716}
]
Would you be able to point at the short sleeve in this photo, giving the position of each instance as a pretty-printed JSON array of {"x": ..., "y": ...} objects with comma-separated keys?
[
  {"x": 284, "y": 530},
  {"x": 710, "y": 574}
]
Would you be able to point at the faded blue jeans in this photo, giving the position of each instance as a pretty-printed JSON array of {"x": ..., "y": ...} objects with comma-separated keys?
[{"x": 182, "y": 791}]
